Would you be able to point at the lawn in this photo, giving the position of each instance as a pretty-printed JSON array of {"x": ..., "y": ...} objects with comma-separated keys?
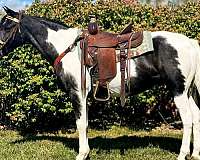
[{"x": 114, "y": 144}]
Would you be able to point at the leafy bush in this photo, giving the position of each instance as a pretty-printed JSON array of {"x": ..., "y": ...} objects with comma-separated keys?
[
  {"x": 31, "y": 93},
  {"x": 33, "y": 97},
  {"x": 113, "y": 15}
]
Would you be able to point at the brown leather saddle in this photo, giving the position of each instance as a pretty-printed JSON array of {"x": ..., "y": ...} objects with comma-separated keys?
[{"x": 99, "y": 52}]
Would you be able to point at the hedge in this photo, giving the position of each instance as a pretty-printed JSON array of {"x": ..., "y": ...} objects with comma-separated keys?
[{"x": 33, "y": 100}]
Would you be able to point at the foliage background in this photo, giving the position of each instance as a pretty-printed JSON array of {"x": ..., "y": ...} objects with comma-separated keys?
[{"x": 31, "y": 97}]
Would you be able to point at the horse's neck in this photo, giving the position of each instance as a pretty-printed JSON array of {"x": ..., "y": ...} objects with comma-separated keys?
[
  {"x": 50, "y": 41},
  {"x": 61, "y": 39}
]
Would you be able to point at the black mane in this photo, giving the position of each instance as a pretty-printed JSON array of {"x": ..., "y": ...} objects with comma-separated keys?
[{"x": 52, "y": 24}]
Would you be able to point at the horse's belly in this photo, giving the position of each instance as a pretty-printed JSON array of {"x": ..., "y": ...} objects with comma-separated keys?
[{"x": 115, "y": 84}]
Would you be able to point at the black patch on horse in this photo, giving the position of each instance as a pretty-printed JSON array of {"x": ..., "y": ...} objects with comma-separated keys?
[{"x": 158, "y": 67}]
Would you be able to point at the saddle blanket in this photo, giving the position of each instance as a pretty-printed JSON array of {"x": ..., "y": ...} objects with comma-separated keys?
[{"x": 146, "y": 46}]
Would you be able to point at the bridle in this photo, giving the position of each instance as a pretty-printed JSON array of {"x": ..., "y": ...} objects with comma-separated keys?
[{"x": 14, "y": 29}]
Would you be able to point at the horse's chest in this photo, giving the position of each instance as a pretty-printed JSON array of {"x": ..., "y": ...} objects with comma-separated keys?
[{"x": 71, "y": 64}]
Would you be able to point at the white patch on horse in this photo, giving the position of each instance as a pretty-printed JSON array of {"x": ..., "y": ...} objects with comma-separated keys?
[
  {"x": 62, "y": 38},
  {"x": 115, "y": 84}
]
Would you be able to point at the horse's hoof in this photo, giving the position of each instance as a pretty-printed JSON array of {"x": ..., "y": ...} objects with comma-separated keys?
[
  {"x": 82, "y": 156},
  {"x": 184, "y": 157},
  {"x": 195, "y": 158},
  {"x": 188, "y": 157}
]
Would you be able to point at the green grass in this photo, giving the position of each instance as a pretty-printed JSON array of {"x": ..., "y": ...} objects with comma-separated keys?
[{"x": 114, "y": 144}]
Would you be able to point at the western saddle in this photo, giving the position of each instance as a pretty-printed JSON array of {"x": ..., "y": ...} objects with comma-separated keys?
[{"x": 99, "y": 53}]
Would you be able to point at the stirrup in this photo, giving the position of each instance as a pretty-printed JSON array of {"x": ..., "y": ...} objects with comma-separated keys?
[{"x": 95, "y": 92}]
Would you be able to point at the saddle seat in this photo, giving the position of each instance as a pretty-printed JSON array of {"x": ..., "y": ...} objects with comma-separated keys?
[{"x": 112, "y": 40}]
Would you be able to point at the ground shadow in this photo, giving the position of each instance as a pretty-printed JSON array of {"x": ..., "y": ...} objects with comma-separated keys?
[{"x": 122, "y": 143}]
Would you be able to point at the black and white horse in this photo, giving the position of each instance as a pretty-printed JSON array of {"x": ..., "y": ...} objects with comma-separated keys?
[{"x": 174, "y": 62}]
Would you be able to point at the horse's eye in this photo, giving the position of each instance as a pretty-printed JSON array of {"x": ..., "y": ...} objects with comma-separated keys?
[
  {"x": 5, "y": 21},
  {"x": 7, "y": 24}
]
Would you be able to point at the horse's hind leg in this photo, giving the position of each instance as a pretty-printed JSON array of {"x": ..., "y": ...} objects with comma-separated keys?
[
  {"x": 196, "y": 128},
  {"x": 195, "y": 111},
  {"x": 182, "y": 103}
]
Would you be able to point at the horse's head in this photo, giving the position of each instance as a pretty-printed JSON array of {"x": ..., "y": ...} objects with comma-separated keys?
[{"x": 10, "y": 31}]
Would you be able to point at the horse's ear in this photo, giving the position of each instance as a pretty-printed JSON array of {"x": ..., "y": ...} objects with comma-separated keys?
[{"x": 10, "y": 12}]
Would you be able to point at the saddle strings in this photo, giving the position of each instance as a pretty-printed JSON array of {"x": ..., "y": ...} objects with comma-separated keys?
[{"x": 129, "y": 62}]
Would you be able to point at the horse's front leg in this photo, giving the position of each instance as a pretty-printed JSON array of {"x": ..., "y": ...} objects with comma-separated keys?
[{"x": 82, "y": 124}]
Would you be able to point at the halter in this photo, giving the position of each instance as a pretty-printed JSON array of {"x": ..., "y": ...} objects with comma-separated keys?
[
  {"x": 13, "y": 19},
  {"x": 15, "y": 28}
]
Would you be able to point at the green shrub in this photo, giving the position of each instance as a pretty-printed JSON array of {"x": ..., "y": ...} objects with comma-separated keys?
[
  {"x": 33, "y": 98},
  {"x": 31, "y": 93}
]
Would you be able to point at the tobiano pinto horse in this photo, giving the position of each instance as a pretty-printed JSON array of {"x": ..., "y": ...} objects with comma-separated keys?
[{"x": 174, "y": 62}]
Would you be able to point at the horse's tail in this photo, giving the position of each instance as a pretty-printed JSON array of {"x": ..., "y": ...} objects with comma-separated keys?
[{"x": 196, "y": 86}]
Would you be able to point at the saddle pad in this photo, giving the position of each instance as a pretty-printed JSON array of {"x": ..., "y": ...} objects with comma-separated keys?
[
  {"x": 106, "y": 59},
  {"x": 146, "y": 46}
]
